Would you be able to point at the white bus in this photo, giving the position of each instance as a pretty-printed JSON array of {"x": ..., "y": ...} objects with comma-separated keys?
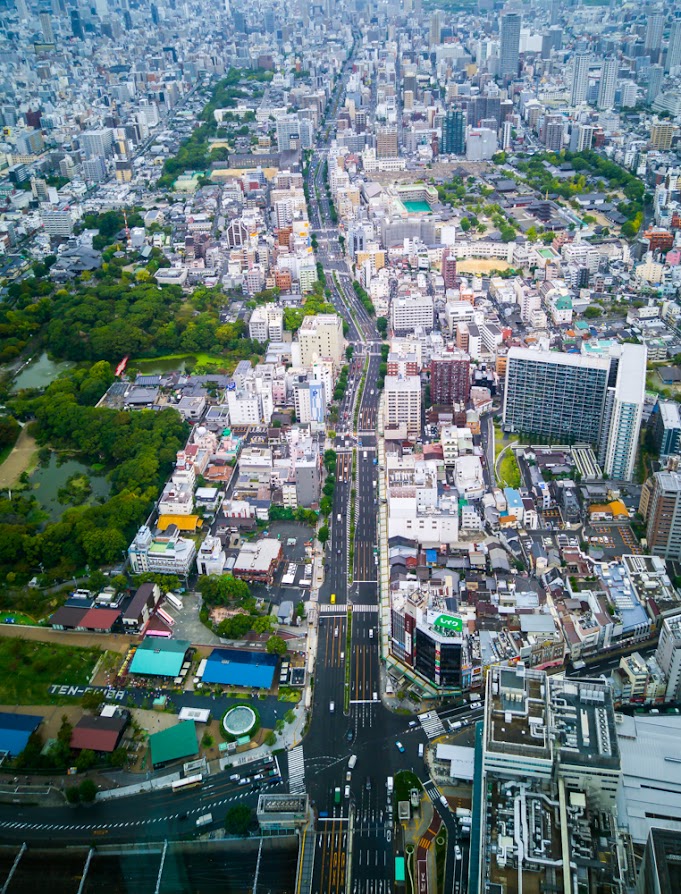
[
  {"x": 188, "y": 782},
  {"x": 175, "y": 601}
]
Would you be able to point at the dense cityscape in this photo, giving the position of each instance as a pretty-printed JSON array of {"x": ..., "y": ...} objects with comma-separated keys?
[{"x": 340, "y": 438}]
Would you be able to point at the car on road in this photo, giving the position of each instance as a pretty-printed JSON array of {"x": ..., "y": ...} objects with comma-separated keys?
[
  {"x": 350, "y": 734},
  {"x": 347, "y": 791},
  {"x": 399, "y": 746},
  {"x": 371, "y": 633},
  {"x": 332, "y": 707},
  {"x": 367, "y": 784},
  {"x": 333, "y": 599},
  {"x": 421, "y": 749},
  {"x": 457, "y": 852}
]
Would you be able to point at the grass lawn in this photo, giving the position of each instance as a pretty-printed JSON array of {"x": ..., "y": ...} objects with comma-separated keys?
[
  {"x": 509, "y": 473},
  {"x": 405, "y": 781},
  {"x": 16, "y": 618},
  {"x": 499, "y": 442},
  {"x": 199, "y": 356},
  {"x": 27, "y": 668}
]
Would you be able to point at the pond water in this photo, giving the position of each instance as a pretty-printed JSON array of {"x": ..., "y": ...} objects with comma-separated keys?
[
  {"x": 40, "y": 373},
  {"x": 160, "y": 366},
  {"x": 47, "y": 480}
]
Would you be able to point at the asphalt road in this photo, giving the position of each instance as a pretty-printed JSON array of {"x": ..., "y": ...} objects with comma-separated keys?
[{"x": 150, "y": 816}]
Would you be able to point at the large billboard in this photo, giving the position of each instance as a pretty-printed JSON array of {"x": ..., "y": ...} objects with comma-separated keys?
[{"x": 444, "y": 622}]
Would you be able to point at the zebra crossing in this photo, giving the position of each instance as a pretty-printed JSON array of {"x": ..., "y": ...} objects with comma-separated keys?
[
  {"x": 341, "y": 608},
  {"x": 432, "y": 725},
  {"x": 296, "y": 770}
]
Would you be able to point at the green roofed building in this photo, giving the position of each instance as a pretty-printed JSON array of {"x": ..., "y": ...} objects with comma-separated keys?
[
  {"x": 174, "y": 744},
  {"x": 158, "y": 657}
]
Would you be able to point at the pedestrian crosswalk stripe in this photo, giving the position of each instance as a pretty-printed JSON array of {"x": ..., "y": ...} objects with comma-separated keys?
[
  {"x": 432, "y": 725},
  {"x": 340, "y": 608},
  {"x": 296, "y": 770}
]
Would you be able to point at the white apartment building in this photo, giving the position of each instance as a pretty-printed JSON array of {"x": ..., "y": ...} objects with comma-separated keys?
[
  {"x": 166, "y": 553},
  {"x": 403, "y": 402},
  {"x": 57, "y": 222},
  {"x": 266, "y": 323},
  {"x": 322, "y": 371},
  {"x": 320, "y": 337},
  {"x": 408, "y": 313},
  {"x": 244, "y": 408},
  {"x": 211, "y": 557},
  {"x": 177, "y": 497},
  {"x": 627, "y": 412}
]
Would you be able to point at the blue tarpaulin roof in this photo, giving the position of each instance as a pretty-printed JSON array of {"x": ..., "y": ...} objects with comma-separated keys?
[
  {"x": 15, "y": 731},
  {"x": 231, "y": 667}
]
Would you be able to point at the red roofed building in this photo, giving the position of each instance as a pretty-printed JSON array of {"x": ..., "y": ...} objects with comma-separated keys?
[
  {"x": 102, "y": 734},
  {"x": 100, "y": 620}
]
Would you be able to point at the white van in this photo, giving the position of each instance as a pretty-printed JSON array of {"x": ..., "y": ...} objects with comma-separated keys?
[
  {"x": 332, "y": 707},
  {"x": 421, "y": 750},
  {"x": 352, "y": 761}
]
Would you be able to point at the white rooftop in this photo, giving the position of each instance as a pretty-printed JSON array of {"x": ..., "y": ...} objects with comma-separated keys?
[
  {"x": 650, "y": 791},
  {"x": 461, "y": 760}
]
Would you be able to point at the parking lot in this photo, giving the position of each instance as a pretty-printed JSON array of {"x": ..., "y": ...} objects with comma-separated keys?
[
  {"x": 293, "y": 536},
  {"x": 615, "y": 540}
]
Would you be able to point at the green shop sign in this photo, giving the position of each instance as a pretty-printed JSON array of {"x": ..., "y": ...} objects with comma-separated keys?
[{"x": 448, "y": 623}]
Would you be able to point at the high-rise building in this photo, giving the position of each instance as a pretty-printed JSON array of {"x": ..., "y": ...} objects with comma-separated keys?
[
  {"x": 46, "y": 25},
  {"x": 453, "y": 133},
  {"x": 626, "y": 412},
  {"x": 555, "y": 397},
  {"x": 668, "y": 656},
  {"x": 410, "y": 312},
  {"x": 509, "y": 51},
  {"x": 606, "y": 90},
  {"x": 673, "y": 58},
  {"x": 97, "y": 142},
  {"x": 435, "y": 29},
  {"x": 580, "y": 78},
  {"x": 449, "y": 269},
  {"x": 585, "y": 136},
  {"x": 450, "y": 380},
  {"x": 655, "y": 76},
  {"x": 77, "y": 25},
  {"x": 386, "y": 142},
  {"x": 661, "y": 507},
  {"x": 321, "y": 336},
  {"x": 666, "y": 428},
  {"x": 403, "y": 402},
  {"x": 554, "y": 129},
  {"x": 293, "y": 133},
  {"x": 653, "y": 40}
]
